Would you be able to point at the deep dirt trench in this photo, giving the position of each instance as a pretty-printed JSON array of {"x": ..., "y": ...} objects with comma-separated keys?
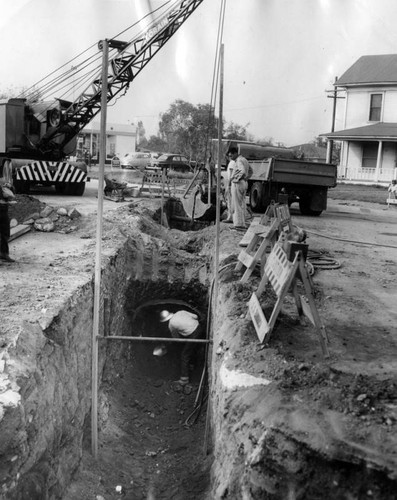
[
  {"x": 283, "y": 422},
  {"x": 153, "y": 432}
]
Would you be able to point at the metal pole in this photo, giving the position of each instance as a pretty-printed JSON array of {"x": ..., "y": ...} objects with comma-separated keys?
[
  {"x": 97, "y": 283},
  {"x": 218, "y": 178},
  {"x": 154, "y": 339},
  {"x": 162, "y": 197}
]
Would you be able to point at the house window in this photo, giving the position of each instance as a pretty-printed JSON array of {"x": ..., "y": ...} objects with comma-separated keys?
[
  {"x": 370, "y": 155},
  {"x": 375, "y": 107}
]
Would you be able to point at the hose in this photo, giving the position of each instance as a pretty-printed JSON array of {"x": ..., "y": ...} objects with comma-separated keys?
[{"x": 320, "y": 260}]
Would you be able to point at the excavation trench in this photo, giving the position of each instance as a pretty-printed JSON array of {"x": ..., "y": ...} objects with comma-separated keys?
[
  {"x": 150, "y": 426},
  {"x": 270, "y": 423}
]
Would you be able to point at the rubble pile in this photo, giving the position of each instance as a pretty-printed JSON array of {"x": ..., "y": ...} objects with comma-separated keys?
[{"x": 28, "y": 211}]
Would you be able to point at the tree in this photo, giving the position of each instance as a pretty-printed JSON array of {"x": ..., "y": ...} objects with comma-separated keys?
[
  {"x": 155, "y": 143},
  {"x": 235, "y": 131},
  {"x": 266, "y": 141},
  {"x": 187, "y": 129},
  {"x": 140, "y": 129}
]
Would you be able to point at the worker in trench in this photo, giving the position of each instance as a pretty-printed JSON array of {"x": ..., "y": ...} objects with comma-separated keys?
[{"x": 185, "y": 325}]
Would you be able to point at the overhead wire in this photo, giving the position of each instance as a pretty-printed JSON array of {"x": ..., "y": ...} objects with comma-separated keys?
[
  {"x": 61, "y": 79},
  {"x": 214, "y": 84}
]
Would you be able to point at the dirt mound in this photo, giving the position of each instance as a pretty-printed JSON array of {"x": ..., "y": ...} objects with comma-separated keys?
[{"x": 25, "y": 207}]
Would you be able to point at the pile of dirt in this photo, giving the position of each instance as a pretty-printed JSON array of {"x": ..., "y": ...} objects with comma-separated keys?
[{"x": 25, "y": 207}]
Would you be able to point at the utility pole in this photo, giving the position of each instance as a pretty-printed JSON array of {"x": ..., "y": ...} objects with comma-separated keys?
[{"x": 330, "y": 142}]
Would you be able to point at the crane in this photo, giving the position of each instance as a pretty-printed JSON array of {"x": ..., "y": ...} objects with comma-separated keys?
[{"x": 46, "y": 131}]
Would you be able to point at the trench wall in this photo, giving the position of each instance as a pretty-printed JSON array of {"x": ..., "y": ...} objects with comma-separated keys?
[
  {"x": 45, "y": 406},
  {"x": 266, "y": 442},
  {"x": 49, "y": 374}
]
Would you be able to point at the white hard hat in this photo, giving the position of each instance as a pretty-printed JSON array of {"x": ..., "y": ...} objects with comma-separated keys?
[{"x": 165, "y": 316}]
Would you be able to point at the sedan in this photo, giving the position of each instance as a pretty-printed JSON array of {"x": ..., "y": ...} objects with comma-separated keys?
[
  {"x": 136, "y": 161},
  {"x": 175, "y": 162}
]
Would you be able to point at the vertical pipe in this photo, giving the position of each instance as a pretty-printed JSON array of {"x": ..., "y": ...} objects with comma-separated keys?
[
  {"x": 162, "y": 197},
  {"x": 97, "y": 282},
  {"x": 218, "y": 177}
]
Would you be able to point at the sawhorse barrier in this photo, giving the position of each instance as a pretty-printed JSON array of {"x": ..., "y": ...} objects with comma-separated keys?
[
  {"x": 155, "y": 182},
  {"x": 283, "y": 275},
  {"x": 260, "y": 236}
]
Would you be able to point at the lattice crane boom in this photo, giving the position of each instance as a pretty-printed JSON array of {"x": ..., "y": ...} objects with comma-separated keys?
[{"x": 124, "y": 66}]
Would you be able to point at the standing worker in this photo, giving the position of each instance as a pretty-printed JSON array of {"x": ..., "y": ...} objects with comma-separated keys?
[
  {"x": 183, "y": 324},
  {"x": 239, "y": 187},
  {"x": 229, "y": 201},
  {"x": 6, "y": 196}
]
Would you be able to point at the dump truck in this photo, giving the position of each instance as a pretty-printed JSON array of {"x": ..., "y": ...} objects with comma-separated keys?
[
  {"x": 277, "y": 175},
  {"x": 291, "y": 180}
]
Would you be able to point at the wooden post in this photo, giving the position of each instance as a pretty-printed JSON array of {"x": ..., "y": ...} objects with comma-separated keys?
[{"x": 97, "y": 283}]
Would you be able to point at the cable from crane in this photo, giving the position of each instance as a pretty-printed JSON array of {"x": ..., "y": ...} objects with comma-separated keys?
[
  {"x": 66, "y": 79},
  {"x": 214, "y": 84}
]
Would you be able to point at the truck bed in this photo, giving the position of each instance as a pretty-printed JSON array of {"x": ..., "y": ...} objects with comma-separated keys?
[{"x": 294, "y": 172}]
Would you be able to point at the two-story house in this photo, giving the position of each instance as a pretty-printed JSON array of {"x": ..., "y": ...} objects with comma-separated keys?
[{"x": 369, "y": 135}]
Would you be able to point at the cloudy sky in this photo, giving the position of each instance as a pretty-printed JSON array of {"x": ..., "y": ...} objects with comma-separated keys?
[{"x": 280, "y": 56}]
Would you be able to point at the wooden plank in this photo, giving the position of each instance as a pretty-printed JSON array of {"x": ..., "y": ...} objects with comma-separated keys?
[
  {"x": 18, "y": 231},
  {"x": 250, "y": 232},
  {"x": 277, "y": 268},
  {"x": 258, "y": 318},
  {"x": 246, "y": 259},
  {"x": 306, "y": 309}
]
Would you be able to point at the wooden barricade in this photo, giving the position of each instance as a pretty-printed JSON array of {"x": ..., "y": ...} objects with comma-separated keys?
[
  {"x": 284, "y": 218},
  {"x": 283, "y": 275},
  {"x": 155, "y": 181},
  {"x": 261, "y": 235},
  {"x": 262, "y": 238}
]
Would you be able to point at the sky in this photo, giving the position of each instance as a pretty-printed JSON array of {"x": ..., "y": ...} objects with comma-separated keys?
[{"x": 280, "y": 56}]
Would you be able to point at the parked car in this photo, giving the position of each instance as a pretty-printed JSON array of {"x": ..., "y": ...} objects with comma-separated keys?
[
  {"x": 154, "y": 158},
  {"x": 136, "y": 160},
  {"x": 175, "y": 162}
]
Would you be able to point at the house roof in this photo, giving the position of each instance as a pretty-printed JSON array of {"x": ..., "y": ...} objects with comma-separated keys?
[
  {"x": 378, "y": 69},
  {"x": 311, "y": 150},
  {"x": 377, "y": 131}
]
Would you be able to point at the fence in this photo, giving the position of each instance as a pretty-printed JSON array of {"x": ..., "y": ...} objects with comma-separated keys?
[{"x": 384, "y": 175}]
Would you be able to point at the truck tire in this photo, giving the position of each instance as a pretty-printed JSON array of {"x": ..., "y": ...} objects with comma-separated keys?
[
  {"x": 22, "y": 187},
  {"x": 78, "y": 188},
  {"x": 60, "y": 187},
  {"x": 257, "y": 201},
  {"x": 304, "y": 206},
  {"x": 70, "y": 188}
]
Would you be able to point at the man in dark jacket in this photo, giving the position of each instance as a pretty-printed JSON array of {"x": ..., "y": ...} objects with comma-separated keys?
[{"x": 6, "y": 195}]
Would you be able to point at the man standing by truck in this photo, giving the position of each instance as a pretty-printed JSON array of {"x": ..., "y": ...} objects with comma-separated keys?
[{"x": 239, "y": 187}]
